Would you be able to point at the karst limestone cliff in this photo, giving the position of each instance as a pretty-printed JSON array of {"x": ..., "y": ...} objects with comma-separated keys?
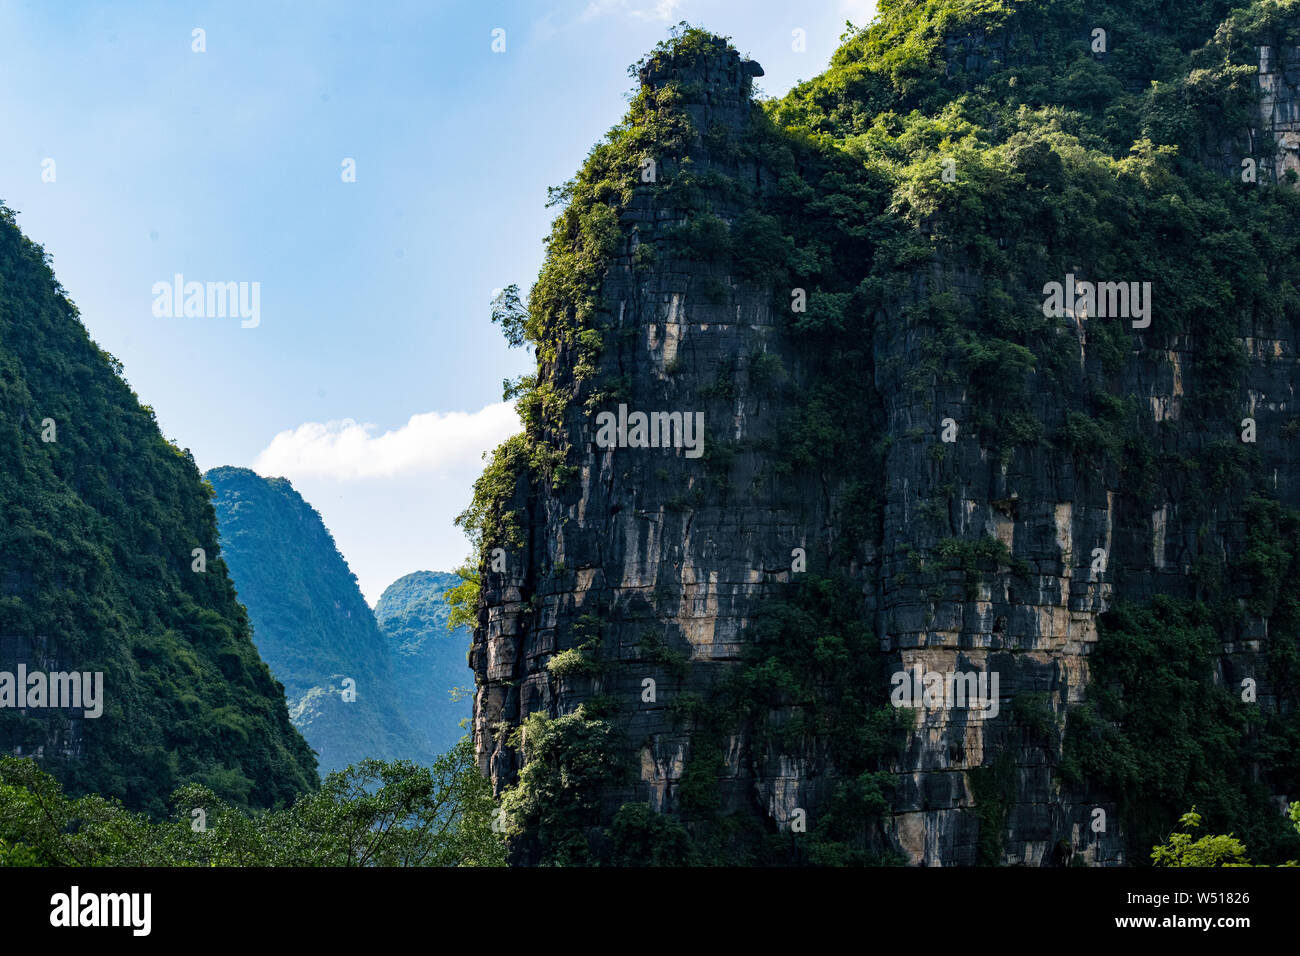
[{"x": 900, "y": 441}]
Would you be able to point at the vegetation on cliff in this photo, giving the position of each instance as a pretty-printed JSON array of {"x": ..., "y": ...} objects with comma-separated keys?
[
  {"x": 110, "y": 562},
  {"x": 956, "y": 156},
  {"x": 1168, "y": 725},
  {"x": 813, "y": 684}
]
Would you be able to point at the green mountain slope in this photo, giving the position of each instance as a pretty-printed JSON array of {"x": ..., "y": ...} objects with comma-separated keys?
[
  {"x": 429, "y": 660},
  {"x": 311, "y": 623},
  {"x": 97, "y": 532}
]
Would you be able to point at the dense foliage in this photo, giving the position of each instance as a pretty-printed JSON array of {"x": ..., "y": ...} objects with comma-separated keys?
[
  {"x": 1170, "y": 722},
  {"x": 1213, "y": 849},
  {"x": 430, "y": 673},
  {"x": 97, "y": 573},
  {"x": 373, "y": 814},
  {"x": 571, "y": 761},
  {"x": 1159, "y": 731},
  {"x": 813, "y": 689}
]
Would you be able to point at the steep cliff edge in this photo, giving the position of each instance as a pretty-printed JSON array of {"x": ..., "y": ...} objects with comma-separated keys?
[
  {"x": 916, "y": 456},
  {"x": 110, "y": 566}
]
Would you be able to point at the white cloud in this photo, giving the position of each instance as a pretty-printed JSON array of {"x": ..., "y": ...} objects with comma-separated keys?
[
  {"x": 663, "y": 11},
  {"x": 429, "y": 442}
]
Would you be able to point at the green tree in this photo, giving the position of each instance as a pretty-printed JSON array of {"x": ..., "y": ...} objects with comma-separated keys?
[
  {"x": 511, "y": 313},
  {"x": 463, "y": 598},
  {"x": 1210, "y": 850},
  {"x": 374, "y": 813}
]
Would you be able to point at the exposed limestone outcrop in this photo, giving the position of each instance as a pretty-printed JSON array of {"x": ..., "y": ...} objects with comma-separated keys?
[{"x": 643, "y": 543}]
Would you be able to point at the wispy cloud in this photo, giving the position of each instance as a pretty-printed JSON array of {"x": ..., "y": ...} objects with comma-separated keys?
[
  {"x": 429, "y": 442},
  {"x": 655, "y": 11}
]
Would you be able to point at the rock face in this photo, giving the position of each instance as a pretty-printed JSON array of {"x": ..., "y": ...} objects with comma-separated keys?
[
  {"x": 311, "y": 624},
  {"x": 1279, "y": 106},
  {"x": 1033, "y": 631},
  {"x": 636, "y": 547},
  {"x": 675, "y": 556},
  {"x": 429, "y": 668}
]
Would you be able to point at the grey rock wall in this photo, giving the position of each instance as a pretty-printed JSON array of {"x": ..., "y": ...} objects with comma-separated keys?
[{"x": 646, "y": 544}]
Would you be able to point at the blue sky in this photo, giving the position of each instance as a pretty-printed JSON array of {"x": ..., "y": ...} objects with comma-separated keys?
[{"x": 373, "y": 379}]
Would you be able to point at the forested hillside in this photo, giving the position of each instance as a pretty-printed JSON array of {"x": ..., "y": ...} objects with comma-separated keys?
[
  {"x": 429, "y": 660},
  {"x": 110, "y": 562},
  {"x": 311, "y": 624}
]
